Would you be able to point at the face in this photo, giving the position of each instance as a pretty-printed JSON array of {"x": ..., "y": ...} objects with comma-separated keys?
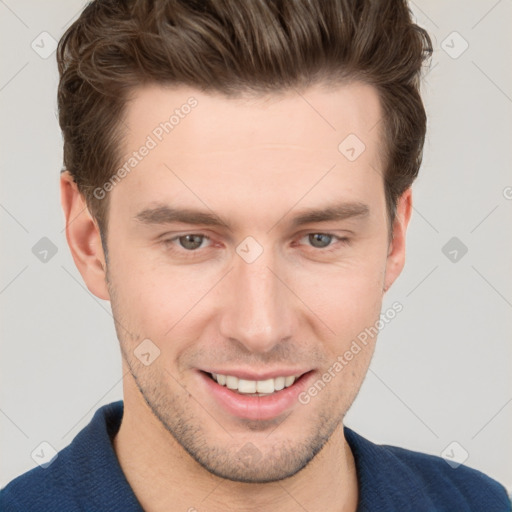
[{"x": 247, "y": 242}]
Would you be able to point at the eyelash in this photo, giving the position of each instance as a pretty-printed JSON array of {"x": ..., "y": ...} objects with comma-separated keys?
[{"x": 343, "y": 241}]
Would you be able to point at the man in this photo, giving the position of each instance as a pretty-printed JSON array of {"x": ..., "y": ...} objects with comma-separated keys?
[{"x": 238, "y": 185}]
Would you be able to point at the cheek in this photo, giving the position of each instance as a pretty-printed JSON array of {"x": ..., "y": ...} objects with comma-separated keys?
[
  {"x": 136, "y": 290},
  {"x": 155, "y": 299},
  {"x": 344, "y": 298}
]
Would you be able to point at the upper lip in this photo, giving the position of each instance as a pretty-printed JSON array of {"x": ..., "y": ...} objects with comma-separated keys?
[{"x": 261, "y": 375}]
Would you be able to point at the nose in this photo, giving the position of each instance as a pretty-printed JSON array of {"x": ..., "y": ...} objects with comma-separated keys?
[{"x": 257, "y": 312}]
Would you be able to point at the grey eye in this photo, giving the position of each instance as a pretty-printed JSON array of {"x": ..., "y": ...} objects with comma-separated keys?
[
  {"x": 191, "y": 242},
  {"x": 320, "y": 240}
]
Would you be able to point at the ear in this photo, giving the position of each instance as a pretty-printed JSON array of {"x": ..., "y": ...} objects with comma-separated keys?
[
  {"x": 396, "y": 252},
  {"x": 83, "y": 236}
]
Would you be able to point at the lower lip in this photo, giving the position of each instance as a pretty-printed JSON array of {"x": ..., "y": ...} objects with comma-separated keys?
[{"x": 256, "y": 407}]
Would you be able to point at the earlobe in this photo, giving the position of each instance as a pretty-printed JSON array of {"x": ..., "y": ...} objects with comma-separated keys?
[
  {"x": 396, "y": 252},
  {"x": 83, "y": 236}
]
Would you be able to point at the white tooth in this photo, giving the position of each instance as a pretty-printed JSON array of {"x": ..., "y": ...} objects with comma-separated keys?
[
  {"x": 279, "y": 383},
  {"x": 231, "y": 382},
  {"x": 288, "y": 381},
  {"x": 246, "y": 386},
  {"x": 265, "y": 386},
  {"x": 252, "y": 387}
]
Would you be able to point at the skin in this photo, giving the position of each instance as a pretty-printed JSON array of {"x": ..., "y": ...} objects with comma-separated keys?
[{"x": 256, "y": 163}]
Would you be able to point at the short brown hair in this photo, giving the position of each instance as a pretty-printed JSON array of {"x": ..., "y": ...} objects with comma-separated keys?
[{"x": 235, "y": 47}]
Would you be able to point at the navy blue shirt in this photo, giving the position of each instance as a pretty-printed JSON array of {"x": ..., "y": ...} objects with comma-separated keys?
[{"x": 86, "y": 476}]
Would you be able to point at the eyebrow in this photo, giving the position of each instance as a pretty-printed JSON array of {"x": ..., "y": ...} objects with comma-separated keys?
[
  {"x": 163, "y": 214},
  {"x": 167, "y": 215},
  {"x": 335, "y": 212}
]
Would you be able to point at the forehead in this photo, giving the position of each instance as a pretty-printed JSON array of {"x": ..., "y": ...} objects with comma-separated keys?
[
  {"x": 208, "y": 149},
  {"x": 317, "y": 118}
]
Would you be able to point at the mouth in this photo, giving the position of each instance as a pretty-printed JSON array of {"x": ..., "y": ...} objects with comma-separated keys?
[
  {"x": 249, "y": 387},
  {"x": 263, "y": 399}
]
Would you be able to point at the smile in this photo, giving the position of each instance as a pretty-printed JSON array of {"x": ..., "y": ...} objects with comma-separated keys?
[
  {"x": 255, "y": 399},
  {"x": 254, "y": 387}
]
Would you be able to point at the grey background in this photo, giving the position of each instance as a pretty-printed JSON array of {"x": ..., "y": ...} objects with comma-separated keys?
[{"x": 441, "y": 372}]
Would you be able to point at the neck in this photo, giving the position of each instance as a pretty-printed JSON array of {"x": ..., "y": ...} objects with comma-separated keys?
[{"x": 164, "y": 476}]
